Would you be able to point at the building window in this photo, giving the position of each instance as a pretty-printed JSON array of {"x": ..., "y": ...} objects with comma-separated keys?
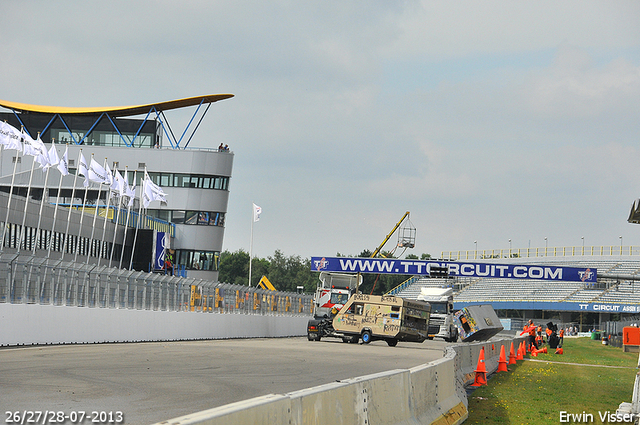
[
  {"x": 198, "y": 260},
  {"x": 193, "y": 181},
  {"x": 201, "y": 218}
]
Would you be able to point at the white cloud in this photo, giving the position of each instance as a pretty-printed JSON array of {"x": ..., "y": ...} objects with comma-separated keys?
[{"x": 488, "y": 121}]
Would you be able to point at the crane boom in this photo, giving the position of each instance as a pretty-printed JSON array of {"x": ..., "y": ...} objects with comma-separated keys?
[{"x": 379, "y": 248}]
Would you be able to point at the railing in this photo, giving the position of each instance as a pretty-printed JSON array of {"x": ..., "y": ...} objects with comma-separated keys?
[
  {"x": 127, "y": 217},
  {"x": 402, "y": 286},
  {"x": 567, "y": 251},
  {"x": 27, "y": 279}
]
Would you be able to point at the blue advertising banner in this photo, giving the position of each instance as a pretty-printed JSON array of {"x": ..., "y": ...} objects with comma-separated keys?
[
  {"x": 162, "y": 244},
  {"x": 456, "y": 268},
  {"x": 554, "y": 306}
]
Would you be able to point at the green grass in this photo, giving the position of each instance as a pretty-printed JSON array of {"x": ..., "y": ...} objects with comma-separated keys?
[{"x": 535, "y": 392}]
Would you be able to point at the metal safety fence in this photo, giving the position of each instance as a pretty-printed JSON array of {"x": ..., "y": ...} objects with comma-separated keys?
[
  {"x": 26, "y": 279},
  {"x": 563, "y": 251}
]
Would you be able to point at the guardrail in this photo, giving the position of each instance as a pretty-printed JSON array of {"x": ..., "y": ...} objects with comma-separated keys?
[
  {"x": 566, "y": 251},
  {"x": 25, "y": 279}
]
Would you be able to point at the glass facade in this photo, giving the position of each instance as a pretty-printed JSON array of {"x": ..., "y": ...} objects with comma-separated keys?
[
  {"x": 193, "y": 181},
  {"x": 202, "y": 218},
  {"x": 198, "y": 260},
  {"x": 104, "y": 138}
]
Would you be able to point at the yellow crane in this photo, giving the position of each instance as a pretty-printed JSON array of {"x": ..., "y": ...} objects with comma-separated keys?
[{"x": 406, "y": 240}]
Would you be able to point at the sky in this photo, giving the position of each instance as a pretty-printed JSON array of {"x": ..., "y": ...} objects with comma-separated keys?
[{"x": 496, "y": 124}]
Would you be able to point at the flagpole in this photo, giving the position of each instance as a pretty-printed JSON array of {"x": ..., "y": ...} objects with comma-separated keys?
[
  {"x": 95, "y": 215},
  {"x": 106, "y": 214},
  {"x": 253, "y": 219},
  {"x": 126, "y": 226},
  {"x": 135, "y": 235},
  {"x": 84, "y": 200},
  {"x": 44, "y": 191},
  {"x": 26, "y": 203},
  {"x": 73, "y": 194},
  {"x": 6, "y": 220},
  {"x": 115, "y": 230}
]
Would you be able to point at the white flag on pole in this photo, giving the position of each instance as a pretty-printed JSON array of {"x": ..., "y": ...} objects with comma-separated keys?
[
  {"x": 151, "y": 192},
  {"x": 34, "y": 148},
  {"x": 97, "y": 173},
  {"x": 83, "y": 170},
  {"x": 118, "y": 184},
  {"x": 52, "y": 157},
  {"x": 256, "y": 212},
  {"x": 129, "y": 191},
  {"x": 109, "y": 174},
  {"x": 10, "y": 136},
  {"x": 63, "y": 164}
]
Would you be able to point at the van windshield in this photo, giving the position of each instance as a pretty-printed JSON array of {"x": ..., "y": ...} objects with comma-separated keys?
[{"x": 438, "y": 308}]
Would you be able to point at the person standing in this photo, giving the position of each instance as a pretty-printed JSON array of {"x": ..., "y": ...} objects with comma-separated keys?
[{"x": 532, "y": 335}]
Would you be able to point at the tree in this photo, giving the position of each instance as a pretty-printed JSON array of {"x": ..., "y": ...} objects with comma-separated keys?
[{"x": 234, "y": 267}]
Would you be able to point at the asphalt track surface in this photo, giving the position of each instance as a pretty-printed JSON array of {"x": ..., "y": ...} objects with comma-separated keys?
[{"x": 154, "y": 382}]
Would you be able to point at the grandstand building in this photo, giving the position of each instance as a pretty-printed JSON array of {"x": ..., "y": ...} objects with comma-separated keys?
[
  {"x": 196, "y": 180},
  {"x": 615, "y": 294}
]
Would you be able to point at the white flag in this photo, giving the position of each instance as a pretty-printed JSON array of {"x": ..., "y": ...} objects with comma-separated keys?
[
  {"x": 109, "y": 174},
  {"x": 10, "y": 136},
  {"x": 34, "y": 148},
  {"x": 97, "y": 173},
  {"x": 83, "y": 170},
  {"x": 151, "y": 192},
  {"x": 52, "y": 158},
  {"x": 118, "y": 184},
  {"x": 256, "y": 212},
  {"x": 131, "y": 193},
  {"x": 63, "y": 164}
]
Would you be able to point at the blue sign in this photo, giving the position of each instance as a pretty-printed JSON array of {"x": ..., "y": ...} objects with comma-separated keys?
[
  {"x": 555, "y": 306},
  {"x": 162, "y": 244},
  {"x": 456, "y": 268}
]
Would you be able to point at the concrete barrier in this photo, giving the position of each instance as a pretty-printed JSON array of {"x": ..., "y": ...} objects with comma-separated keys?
[
  {"x": 433, "y": 393},
  {"x": 28, "y": 324},
  {"x": 265, "y": 410}
]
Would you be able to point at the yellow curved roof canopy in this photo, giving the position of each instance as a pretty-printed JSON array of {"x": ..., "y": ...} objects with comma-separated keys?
[{"x": 118, "y": 111}]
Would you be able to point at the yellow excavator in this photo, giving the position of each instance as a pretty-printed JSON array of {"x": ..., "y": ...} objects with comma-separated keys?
[{"x": 265, "y": 284}]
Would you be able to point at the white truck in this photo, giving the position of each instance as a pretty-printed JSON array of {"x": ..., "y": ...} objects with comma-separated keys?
[{"x": 441, "y": 321}]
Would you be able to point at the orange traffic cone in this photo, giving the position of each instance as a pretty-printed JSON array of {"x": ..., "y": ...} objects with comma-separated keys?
[
  {"x": 502, "y": 363},
  {"x": 559, "y": 351},
  {"x": 512, "y": 355},
  {"x": 520, "y": 351},
  {"x": 544, "y": 350},
  {"x": 534, "y": 352},
  {"x": 481, "y": 371}
]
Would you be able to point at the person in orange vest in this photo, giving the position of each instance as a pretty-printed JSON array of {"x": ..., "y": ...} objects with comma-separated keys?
[
  {"x": 548, "y": 331},
  {"x": 561, "y": 338},
  {"x": 532, "y": 334}
]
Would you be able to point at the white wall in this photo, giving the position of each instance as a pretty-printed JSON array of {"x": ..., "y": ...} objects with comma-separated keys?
[{"x": 46, "y": 324}]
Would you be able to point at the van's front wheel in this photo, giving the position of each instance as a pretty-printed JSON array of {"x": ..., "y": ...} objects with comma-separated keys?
[{"x": 366, "y": 336}]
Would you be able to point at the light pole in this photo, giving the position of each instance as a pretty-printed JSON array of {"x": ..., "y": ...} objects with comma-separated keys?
[
  {"x": 582, "y": 245},
  {"x": 475, "y": 255},
  {"x": 620, "y": 245},
  {"x": 546, "y": 245},
  {"x": 509, "y": 248}
]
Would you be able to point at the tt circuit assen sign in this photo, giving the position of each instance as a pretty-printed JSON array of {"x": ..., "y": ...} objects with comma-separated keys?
[{"x": 461, "y": 269}]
